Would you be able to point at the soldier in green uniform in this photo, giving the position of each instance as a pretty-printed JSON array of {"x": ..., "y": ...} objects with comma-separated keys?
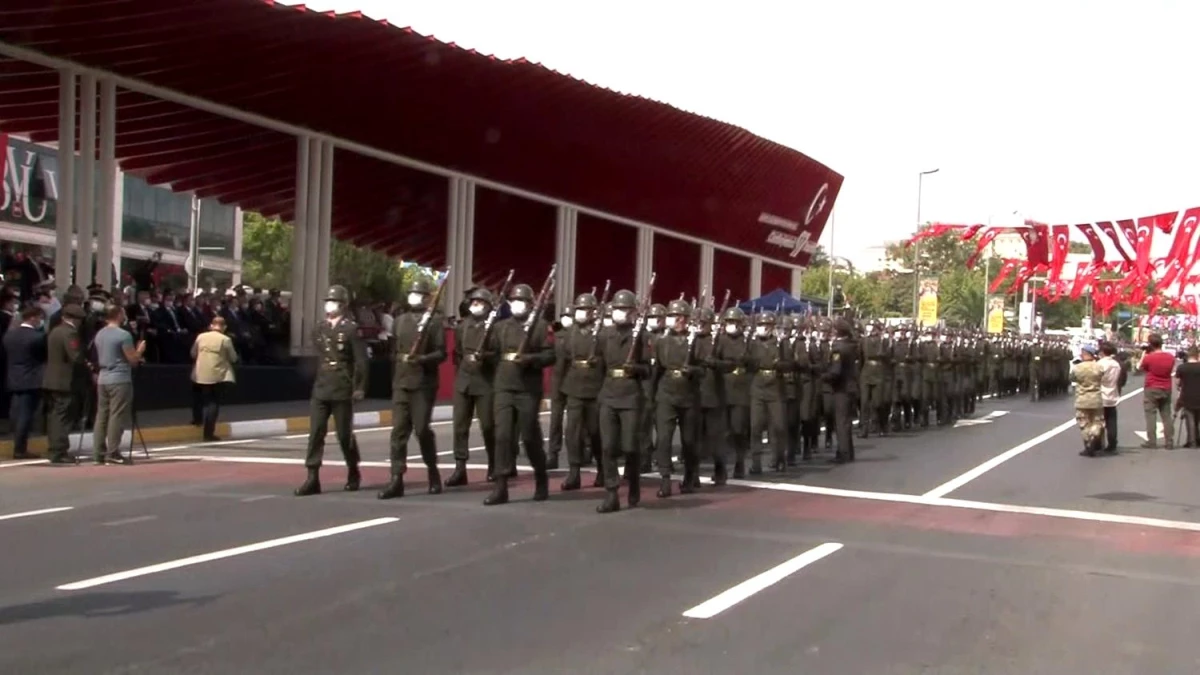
[
  {"x": 902, "y": 366},
  {"x": 843, "y": 380},
  {"x": 711, "y": 436},
  {"x": 621, "y": 356},
  {"x": 874, "y": 410},
  {"x": 767, "y": 359},
  {"x": 785, "y": 332},
  {"x": 577, "y": 366},
  {"x": 929, "y": 353},
  {"x": 558, "y": 400},
  {"x": 341, "y": 380},
  {"x": 418, "y": 349},
  {"x": 676, "y": 398},
  {"x": 475, "y": 368},
  {"x": 947, "y": 379},
  {"x": 823, "y": 363},
  {"x": 1034, "y": 370},
  {"x": 524, "y": 353},
  {"x": 806, "y": 389},
  {"x": 654, "y": 328},
  {"x": 65, "y": 369},
  {"x": 730, "y": 360}
]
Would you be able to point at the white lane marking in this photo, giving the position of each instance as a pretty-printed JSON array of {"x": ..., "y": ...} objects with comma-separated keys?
[
  {"x": 227, "y": 553},
  {"x": 956, "y": 483},
  {"x": 714, "y": 606},
  {"x": 259, "y": 498},
  {"x": 129, "y": 521},
  {"x": 23, "y": 462},
  {"x": 39, "y": 512}
]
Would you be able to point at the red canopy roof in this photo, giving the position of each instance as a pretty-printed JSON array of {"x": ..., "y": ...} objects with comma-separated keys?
[{"x": 354, "y": 78}]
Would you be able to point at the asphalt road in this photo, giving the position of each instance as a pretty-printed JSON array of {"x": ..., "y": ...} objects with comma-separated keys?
[{"x": 200, "y": 561}]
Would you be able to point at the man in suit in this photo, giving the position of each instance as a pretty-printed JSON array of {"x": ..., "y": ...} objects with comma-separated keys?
[
  {"x": 25, "y": 354},
  {"x": 65, "y": 377}
]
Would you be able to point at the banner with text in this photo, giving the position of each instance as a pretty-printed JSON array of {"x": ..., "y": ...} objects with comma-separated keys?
[
  {"x": 927, "y": 305},
  {"x": 995, "y": 314}
]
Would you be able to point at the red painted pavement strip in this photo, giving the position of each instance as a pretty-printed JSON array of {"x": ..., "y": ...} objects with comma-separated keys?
[{"x": 1131, "y": 538}]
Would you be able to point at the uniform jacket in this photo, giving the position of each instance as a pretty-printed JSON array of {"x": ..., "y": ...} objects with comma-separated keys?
[
  {"x": 678, "y": 381},
  {"x": 475, "y": 370},
  {"x": 65, "y": 365},
  {"x": 521, "y": 372},
  {"x": 214, "y": 355},
  {"x": 622, "y": 389},
  {"x": 341, "y": 361},
  {"x": 577, "y": 363},
  {"x": 421, "y": 373},
  {"x": 1087, "y": 377}
]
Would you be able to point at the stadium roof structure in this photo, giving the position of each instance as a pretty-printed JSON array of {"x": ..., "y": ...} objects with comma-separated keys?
[{"x": 213, "y": 93}]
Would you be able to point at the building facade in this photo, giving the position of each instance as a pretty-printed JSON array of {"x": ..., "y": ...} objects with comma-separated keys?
[{"x": 149, "y": 219}]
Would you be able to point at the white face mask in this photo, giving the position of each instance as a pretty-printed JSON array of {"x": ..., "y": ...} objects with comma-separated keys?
[
  {"x": 332, "y": 307},
  {"x": 869, "y": 330},
  {"x": 761, "y": 331},
  {"x": 477, "y": 309},
  {"x": 653, "y": 324},
  {"x": 416, "y": 300},
  {"x": 731, "y": 329},
  {"x": 518, "y": 307},
  {"x": 96, "y": 306},
  {"x": 581, "y": 315},
  {"x": 608, "y": 322},
  {"x": 566, "y": 321},
  {"x": 620, "y": 316}
]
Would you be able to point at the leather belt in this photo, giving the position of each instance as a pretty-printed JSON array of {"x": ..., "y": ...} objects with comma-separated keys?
[
  {"x": 767, "y": 372},
  {"x": 581, "y": 363},
  {"x": 738, "y": 371},
  {"x": 675, "y": 373},
  {"x": 873, "y": 362},
  {"x": 510, "y": 356},
  {"x": 618, "y": 373}
]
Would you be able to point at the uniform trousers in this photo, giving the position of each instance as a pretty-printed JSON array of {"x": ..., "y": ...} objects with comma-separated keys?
[
  {"x": 667, "y": 419},
  {"x": 768, "y": 415},
  {"x": 712, "y": 435},
  {"x": 412, "y": 413},
  {"x": 466, "y": 408},
  {"x": 582, "y": 429},
  {"x": 343, "y": 420},
  {"x": 620, "y": 435},
  {"x": 516, "y": 414}
]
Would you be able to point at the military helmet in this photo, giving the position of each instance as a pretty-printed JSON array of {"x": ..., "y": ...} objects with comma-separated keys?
[
  {"x": 842, "y": 328},
  {"x": 707, "y": 315},
  {"x": 734, "y": 314},
  {"x": 657, "y": 311},
  {"x": 786, "y": 321},
  {"x": 338, "y": 294},
  {"x": 521, "y": 292},
  {"x": 421, "y": 285},
  {"x": 586, "y": 301},
  {"x": 481, "y": 294},
  {"x": 678, "y": 307},
  {"x": 624, "y": 299},
  {"x": 766, "y": 319}
]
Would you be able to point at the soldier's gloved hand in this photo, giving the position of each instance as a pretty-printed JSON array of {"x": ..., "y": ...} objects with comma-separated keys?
[
  {"x": 358, "y": 396},
  {"x": 525, "y": 360}
]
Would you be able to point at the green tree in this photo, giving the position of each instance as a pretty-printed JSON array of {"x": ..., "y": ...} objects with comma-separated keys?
[
  {"x": 370, "y": 275},
  {"x": 1079, "y": 247}
]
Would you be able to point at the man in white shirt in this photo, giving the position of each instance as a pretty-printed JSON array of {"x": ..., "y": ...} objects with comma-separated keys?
[{"x": 1109, "y": 394}]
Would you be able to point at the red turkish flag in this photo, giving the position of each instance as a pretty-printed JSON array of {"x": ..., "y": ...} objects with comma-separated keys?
[
  {"x": 1089, "y": 232},
  {"x": 1037, "y": 249},
  {"x": 1163, "y": 221},
  {"x": 1084, "y": 274},
  {"x": 1111, "y": 232},
  {"x": 1061, "y": 235},
  {"x": 987, "y": 238},
  {"x": 1005, "y": 269},
  {"x": 971, "y": 231},
  {"x": 1144, "y": 237},
  {"x": 1181, "y": 247}
]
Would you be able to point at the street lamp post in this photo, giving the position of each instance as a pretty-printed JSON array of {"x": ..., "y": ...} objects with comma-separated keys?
[{"x": 917, "y": 246}]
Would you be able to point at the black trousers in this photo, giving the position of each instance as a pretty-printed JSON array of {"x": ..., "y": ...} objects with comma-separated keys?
[
  {"x": 558, "y": 409},
  {"x": 343, "y": 426},
  {"x": 412, "y": 412},
  {"x": 668, "y": 418},
  {"x": 713, "y": 441},
  {"x": 583, "y": 427},
  {"x": 210, "y": 407},
  {"x": 466, "y": 408},
  {"x": 738, "y": 417},
  {"x": 620, "y": 434},
  {"x": 516, "y": 415},
  {"x": 768, "y": 416},
  {"x": 843, "y": 415},
  {"x": 22, "y": 412},
  {"x": 1110, "y": 428}
]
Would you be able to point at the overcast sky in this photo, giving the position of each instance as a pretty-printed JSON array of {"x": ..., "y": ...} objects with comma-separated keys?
[{"x": 1066, "y": 111}]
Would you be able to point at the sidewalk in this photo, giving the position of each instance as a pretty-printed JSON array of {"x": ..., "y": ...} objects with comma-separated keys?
[{"x": 237, "y": 421}]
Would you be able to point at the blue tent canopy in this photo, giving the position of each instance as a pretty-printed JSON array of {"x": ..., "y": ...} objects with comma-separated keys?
[{"x": 778, "y": 300}]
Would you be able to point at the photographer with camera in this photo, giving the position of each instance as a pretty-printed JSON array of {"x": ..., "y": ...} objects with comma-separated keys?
[{"x": 115, "y": 357}]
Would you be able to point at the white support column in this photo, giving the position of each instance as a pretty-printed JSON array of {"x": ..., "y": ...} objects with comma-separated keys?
[
  {"x": 797, "y": 277},
  {"x": 645, "y": 259},
  {"x": 314, "y": 303},
  {"x": 85, "y": 206},
  {"x": 65, "y": 226},
  {"x": 565, "y": 239},
  {"x": 325, "y": 221},
  {"x": 755, "y": 278},
  {"x": 299, "y": 303},
  {"x": 238, "y": 227},
  {"x": 117, "y": 219},
  {"x": 460, "y": 240},
  {"x": 106, "y": 216},
  {"x": 707, "y": 261}
]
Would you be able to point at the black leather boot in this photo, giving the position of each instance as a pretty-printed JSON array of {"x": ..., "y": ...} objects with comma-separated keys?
[
  {"x": 353, "y": 478},
  {"x": 394, "y": 489},
  {"x": 541, "y": 486},
  {"x": 756, "y": 466},
  {"x": 459, "y": 477},
  {"x": 435, "y": 481},
  {"x": 688, "y": 485},
  {"x": 572, "y": 481},
  {"x": 311, "y": 485},
  {"x": 720, "y": 477},
  {"x": 499, "y": 493},
  {"x": 664, "y": 487},
  {"x": 634, "y": 496},
  {"x": 611, "y": 503},
  {"x": 739, "y": 469}
]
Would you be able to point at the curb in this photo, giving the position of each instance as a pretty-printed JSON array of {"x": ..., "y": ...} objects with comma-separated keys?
[{"x": 227, "y": 431}]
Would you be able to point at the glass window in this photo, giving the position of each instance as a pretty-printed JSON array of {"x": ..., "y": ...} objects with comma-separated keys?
[{"x": 216, "y": 228}]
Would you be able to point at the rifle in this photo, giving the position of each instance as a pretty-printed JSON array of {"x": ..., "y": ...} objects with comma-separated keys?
[
  {"x": 418, "y": 344},
  {"x": 724, "y": 306},
  {"x": 640, "y": 323},
  {"x": 598, "y": 322},
  {"x": 491, "y": 317},
  {"x": 694, "y": 328},
  {"x": 535, "y": 312}
]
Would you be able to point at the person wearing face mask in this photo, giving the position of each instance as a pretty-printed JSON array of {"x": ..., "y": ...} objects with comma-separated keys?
[
  {"x": 25, "y": 354},
  {"x": 518, "y": 386},
  {"x": 417, "y": 352},
  {"x": 767, "y": 359},
  {"x": 655, "y": 326},
  {"x": 874, "y": 407},
  {"x": 475, "y": 369},
  {"x": 577, "y": 367},
  {"x": 622, "y": 357},
  {"x": 824, "y": 359},
  {"x": 732, "y": 346},
  {"x": 341, "y": 380},
  {"x": 74, "y": 295},
  {"x": 558, "y": 400},
  {"x": 66, "y": 374},
  {"x": 711, "y": 435},
  {"x": 791, "y": 406},
  {"x": 927, "y": 351},
  {"x": 806, "y": 391},
  {"x": 902, "y": 379},
  {"x": 843, "y": 380},
  {"x": 947, "y": 382},
  {"x": 676, "y": 399}
]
